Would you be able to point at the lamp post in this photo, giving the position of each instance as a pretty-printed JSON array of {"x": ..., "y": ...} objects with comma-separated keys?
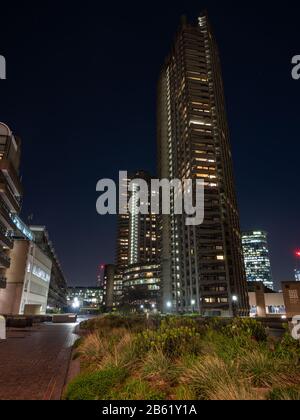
[
  {"x": 169, "y": 305},
  {"x": 193, "y": 303},
  {"x": 234, "y": 303}
]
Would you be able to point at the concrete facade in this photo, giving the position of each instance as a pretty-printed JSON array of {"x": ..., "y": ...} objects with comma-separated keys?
[{"x": 28, "y": 279}]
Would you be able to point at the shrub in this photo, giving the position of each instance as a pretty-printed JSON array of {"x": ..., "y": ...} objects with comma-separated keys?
[
  {"x": 246, "y": 327},
  {"x": 184, "y": 393},
  {"x": 173, "y": 342},
  {"x": 137, "y": 389},
  {"x": 227, "y": 347},
  {"x": 96, "y": 385},
  {"x": 211, "y": 379},
  {"x": 133, "y": 323},
  {"x": 291, "y": 393},
  {"x": 156, "y": 366},
  {"x": 265, "y": 370},
  {"x": 288, "y": 348},
  {"x": 99, "y": 351}
]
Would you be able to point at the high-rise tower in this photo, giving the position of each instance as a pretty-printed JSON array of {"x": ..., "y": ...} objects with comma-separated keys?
[
  {"x": 256, "y": 257},
  {"x": 137, "y": 250},
  {"x": 202, "y": 266}
]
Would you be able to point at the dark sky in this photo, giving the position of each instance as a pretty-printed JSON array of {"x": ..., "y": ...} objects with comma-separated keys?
[{"x": 81, "y": 93}]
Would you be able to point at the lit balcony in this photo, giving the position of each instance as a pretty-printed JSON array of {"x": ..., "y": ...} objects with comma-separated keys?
[
  {"x": 5, "y": 241},
  {"x": 2, "y": 283},
  {"x": 9, "y": 198},
  {"x": 11, "y": 176},
  {"x": 4, "y": 260}
]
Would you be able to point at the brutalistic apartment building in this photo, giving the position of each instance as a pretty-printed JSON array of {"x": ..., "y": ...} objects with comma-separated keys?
[
  {"x": 10, "y": 194},
  {"x": 202, "y": 266},
  {"x": 28, "y": 276}
]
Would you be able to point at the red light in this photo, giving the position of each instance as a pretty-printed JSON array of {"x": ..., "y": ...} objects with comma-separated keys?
[
  {"x": 103, "y": 266},
  {"x": 297, "y": 253}
]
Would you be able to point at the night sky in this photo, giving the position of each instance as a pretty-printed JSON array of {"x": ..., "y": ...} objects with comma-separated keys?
[{"x": 81, "y": 93}]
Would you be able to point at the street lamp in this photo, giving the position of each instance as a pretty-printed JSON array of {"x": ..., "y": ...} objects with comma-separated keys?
[
  {"x": 193, "y": 303},
  {"x": 76, "y": 304},
  {"x": 234, "y": 307},
  {"x": 169, "y": 305}
]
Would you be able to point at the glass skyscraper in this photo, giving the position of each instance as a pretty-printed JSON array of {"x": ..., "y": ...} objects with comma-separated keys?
[{"x": 256, "y": 257}]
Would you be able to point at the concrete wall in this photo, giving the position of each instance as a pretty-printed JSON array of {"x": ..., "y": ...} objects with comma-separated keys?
[
  {"x": 26, "y": 286},
  {"x": 10, "y": 297},
  {"x": 291, "y": 295}
]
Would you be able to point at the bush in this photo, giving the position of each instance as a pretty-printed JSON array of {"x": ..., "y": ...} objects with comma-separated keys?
[
  {"x": 133, "y": 323},
  {"x": 227, "y": 347},
  {"x": 156, "y": 366},
  {"x": 246, "y": 327},
  {"x": 265, "y": 370},
  {"x": 211, "y": 379},
  {"x": 99, "y": 351},
  {"x": 173, "y": 342},
  {"x": 288, "y": 348},
  {"x": 96, "y": 385},
  {"x": 184, "y": 393},
  {"x": 286, "y": 394},
  {"x": 137, "y": 389}
]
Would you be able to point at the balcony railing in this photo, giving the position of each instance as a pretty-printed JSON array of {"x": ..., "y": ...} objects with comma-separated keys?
[
  {"x": 4, "y": 260},
  {"x": 2, "y": 283},
  {"x": 11, "y": 175}
]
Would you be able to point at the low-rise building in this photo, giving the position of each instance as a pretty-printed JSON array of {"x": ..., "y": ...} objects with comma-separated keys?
[
  {"x": 28, "y": 279},
  {"x": 267, "y": 303},
  {"x": 57, "y": 298},
  {"x": 291, "y": 296},
  {"x": 85, "y": 299}
]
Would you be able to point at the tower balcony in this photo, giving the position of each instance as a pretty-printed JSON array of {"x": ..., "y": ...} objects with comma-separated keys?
[
  {"x": 2, "y": 283},
  {"x": 9, "y": 198},
  {"x": 4, "y": 260},
  {"x": 11, "y": 176}
]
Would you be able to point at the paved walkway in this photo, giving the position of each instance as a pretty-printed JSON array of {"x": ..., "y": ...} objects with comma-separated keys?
[{"x": 34, "y": 363}]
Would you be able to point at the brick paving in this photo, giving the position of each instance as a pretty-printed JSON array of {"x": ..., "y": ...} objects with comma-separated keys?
[{"x": 34, "y": 363}]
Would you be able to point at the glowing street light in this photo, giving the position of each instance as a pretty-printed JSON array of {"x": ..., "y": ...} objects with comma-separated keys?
[
  {"x": 235, "y": 298},
  {"x": 76, "y": 304}
]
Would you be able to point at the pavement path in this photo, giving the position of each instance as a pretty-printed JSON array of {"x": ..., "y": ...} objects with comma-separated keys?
[{"x": 34, "y": 363}]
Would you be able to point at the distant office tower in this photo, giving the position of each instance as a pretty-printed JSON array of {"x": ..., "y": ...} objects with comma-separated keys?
[
  {"x": 202, "y": 267},
  {"x": 256, "y": 257},
  {"x": 137, "y": 251},
  {"x": 10, "y": 194}
]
